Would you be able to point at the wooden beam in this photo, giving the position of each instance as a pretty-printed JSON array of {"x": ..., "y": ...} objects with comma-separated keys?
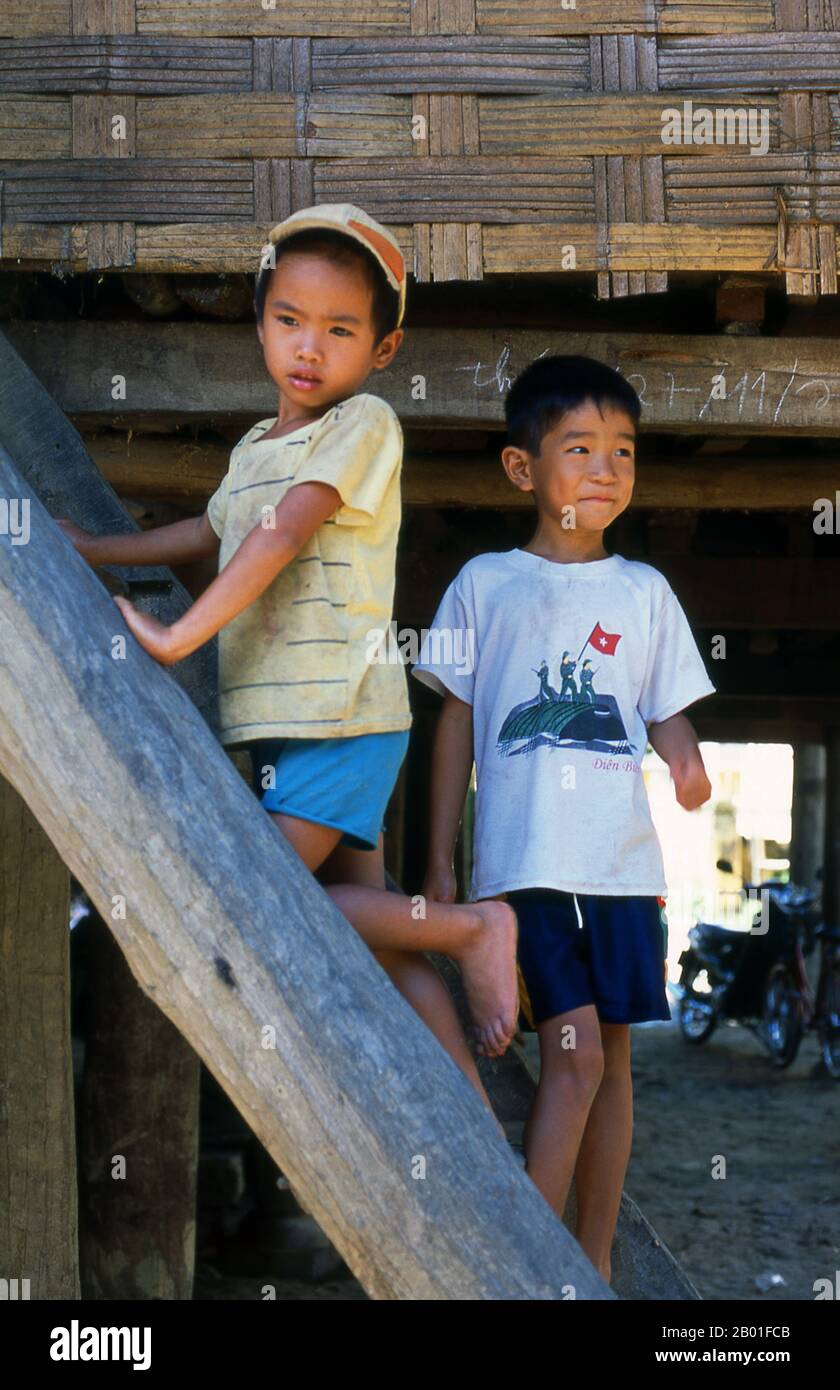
[
  {"x": 38, "y": 1202},
  {"x": 185, "y": 371},
  {"x": 735, "y": 593},
  {"x": 174, "y": 469},
  {"x": 247, "y": 956}
]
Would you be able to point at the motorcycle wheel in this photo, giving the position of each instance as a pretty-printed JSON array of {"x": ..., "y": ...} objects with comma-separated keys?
[
  {"x": 829, "y": 1023},
  {"x": 782, "y": 1016},
  {"x": 696, "y": 1024}
]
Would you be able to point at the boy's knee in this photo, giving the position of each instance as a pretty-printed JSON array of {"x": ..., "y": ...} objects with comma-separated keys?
[{"x": 580, "y": 1067}]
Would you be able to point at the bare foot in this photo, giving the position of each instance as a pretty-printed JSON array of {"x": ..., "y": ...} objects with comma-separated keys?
[{"x": 488, "y": 967}]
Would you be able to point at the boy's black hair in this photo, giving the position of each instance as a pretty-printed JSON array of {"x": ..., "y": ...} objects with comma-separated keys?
[
  {"x": 335, "y": 246},
  {"x": 543, "y": 393}
]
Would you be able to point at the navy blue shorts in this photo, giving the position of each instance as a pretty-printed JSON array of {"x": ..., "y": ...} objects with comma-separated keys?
[{"x": 575, "y": 950}]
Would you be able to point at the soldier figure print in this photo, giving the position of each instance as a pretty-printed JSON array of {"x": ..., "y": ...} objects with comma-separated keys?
[{"x": 572, "y": 718}]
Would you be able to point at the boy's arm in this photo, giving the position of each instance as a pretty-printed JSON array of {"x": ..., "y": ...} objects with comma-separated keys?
[
  {"x": 259, "y": 559},
  {"x": 452, "y": 760},
  {"x": 178, "y": 544},
  {"x": 676, "y": 743}
]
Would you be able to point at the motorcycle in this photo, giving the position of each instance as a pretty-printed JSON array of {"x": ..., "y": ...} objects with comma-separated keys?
[{"x": 757, "y": 976}]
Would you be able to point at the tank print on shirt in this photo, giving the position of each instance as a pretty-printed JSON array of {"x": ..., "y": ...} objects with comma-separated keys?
[{"x": 579, "y": 716}]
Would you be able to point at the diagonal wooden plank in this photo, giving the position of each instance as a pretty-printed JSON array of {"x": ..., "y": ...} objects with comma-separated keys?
[
  {"x": 55, "y": 463},
  {"x": 245, "y": 953}
]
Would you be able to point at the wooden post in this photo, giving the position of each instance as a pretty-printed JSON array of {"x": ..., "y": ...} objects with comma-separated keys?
[
  {"x": 38, "y": 1208},
  {"x": 389, "y": 1146},
  {"x": 807, "y": 831},
  {"x": 831, "y": 870},
  {"x": 138, "y": 1150}
]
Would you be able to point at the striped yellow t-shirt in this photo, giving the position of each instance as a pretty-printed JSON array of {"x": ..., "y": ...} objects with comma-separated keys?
[{"x": 295, "y": 663}]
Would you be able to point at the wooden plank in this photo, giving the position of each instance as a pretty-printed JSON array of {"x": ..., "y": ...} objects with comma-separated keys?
[
  {"x": 258, "y": 125},
  {"x": 179, "y": 470},
  {"x": 20, "y": 18},
  {"x": 625, "y": 123},
  {"x": 34, "y": 127},
  {"x": 447, "y": 64},
  {"x": 38, "y": 1202},
  {"x": 53, "y": 462},
  {"x": 761, "y": 62},
  {"x": 282, "y": 17},
  {"x": 205, "y": 894},
  {"x": 129, "y": 63},
  {"x": 182, "y": 370}
]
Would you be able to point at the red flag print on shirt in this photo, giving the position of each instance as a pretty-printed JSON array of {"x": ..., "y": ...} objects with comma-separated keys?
[{"x": 602, "y": 641}]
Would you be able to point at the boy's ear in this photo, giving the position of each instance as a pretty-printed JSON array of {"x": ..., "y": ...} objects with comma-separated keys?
[
  {"x": 386, "y": 351},
  {"x": 260, "y": 331},
  {"x": 517, "y": 464}
]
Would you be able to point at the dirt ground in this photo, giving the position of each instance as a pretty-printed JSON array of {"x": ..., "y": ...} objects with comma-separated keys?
[{"x": 778, "y": 1209}]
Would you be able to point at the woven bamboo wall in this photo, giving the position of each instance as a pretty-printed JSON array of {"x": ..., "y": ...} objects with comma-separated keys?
[{"x": 493, "y": 135}]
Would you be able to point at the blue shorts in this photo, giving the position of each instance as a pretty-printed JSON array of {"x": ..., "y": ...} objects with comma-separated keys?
[
  {"x": 575, "y": 950},
  {"x": 342, "y": 782}
]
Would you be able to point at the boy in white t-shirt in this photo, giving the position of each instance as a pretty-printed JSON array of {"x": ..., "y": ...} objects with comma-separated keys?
[{"x": 579, "y": 658}]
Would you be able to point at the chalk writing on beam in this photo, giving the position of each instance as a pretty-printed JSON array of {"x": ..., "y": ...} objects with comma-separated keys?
[{"x": 760, "y": 395}]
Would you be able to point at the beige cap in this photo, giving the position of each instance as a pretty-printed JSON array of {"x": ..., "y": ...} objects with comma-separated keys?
[{"x": 353, "y": 222}]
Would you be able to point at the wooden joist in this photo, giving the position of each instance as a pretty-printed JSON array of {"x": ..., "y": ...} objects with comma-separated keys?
[
  {"x": 700, "y": 384},
  {"x": 247, "y": 956},
  {"x": 721, "y": 595},
  {"x": 178, "y": 470}
]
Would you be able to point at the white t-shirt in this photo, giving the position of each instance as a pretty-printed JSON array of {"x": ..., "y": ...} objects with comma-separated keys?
[{"x": 564, "y": 666}]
